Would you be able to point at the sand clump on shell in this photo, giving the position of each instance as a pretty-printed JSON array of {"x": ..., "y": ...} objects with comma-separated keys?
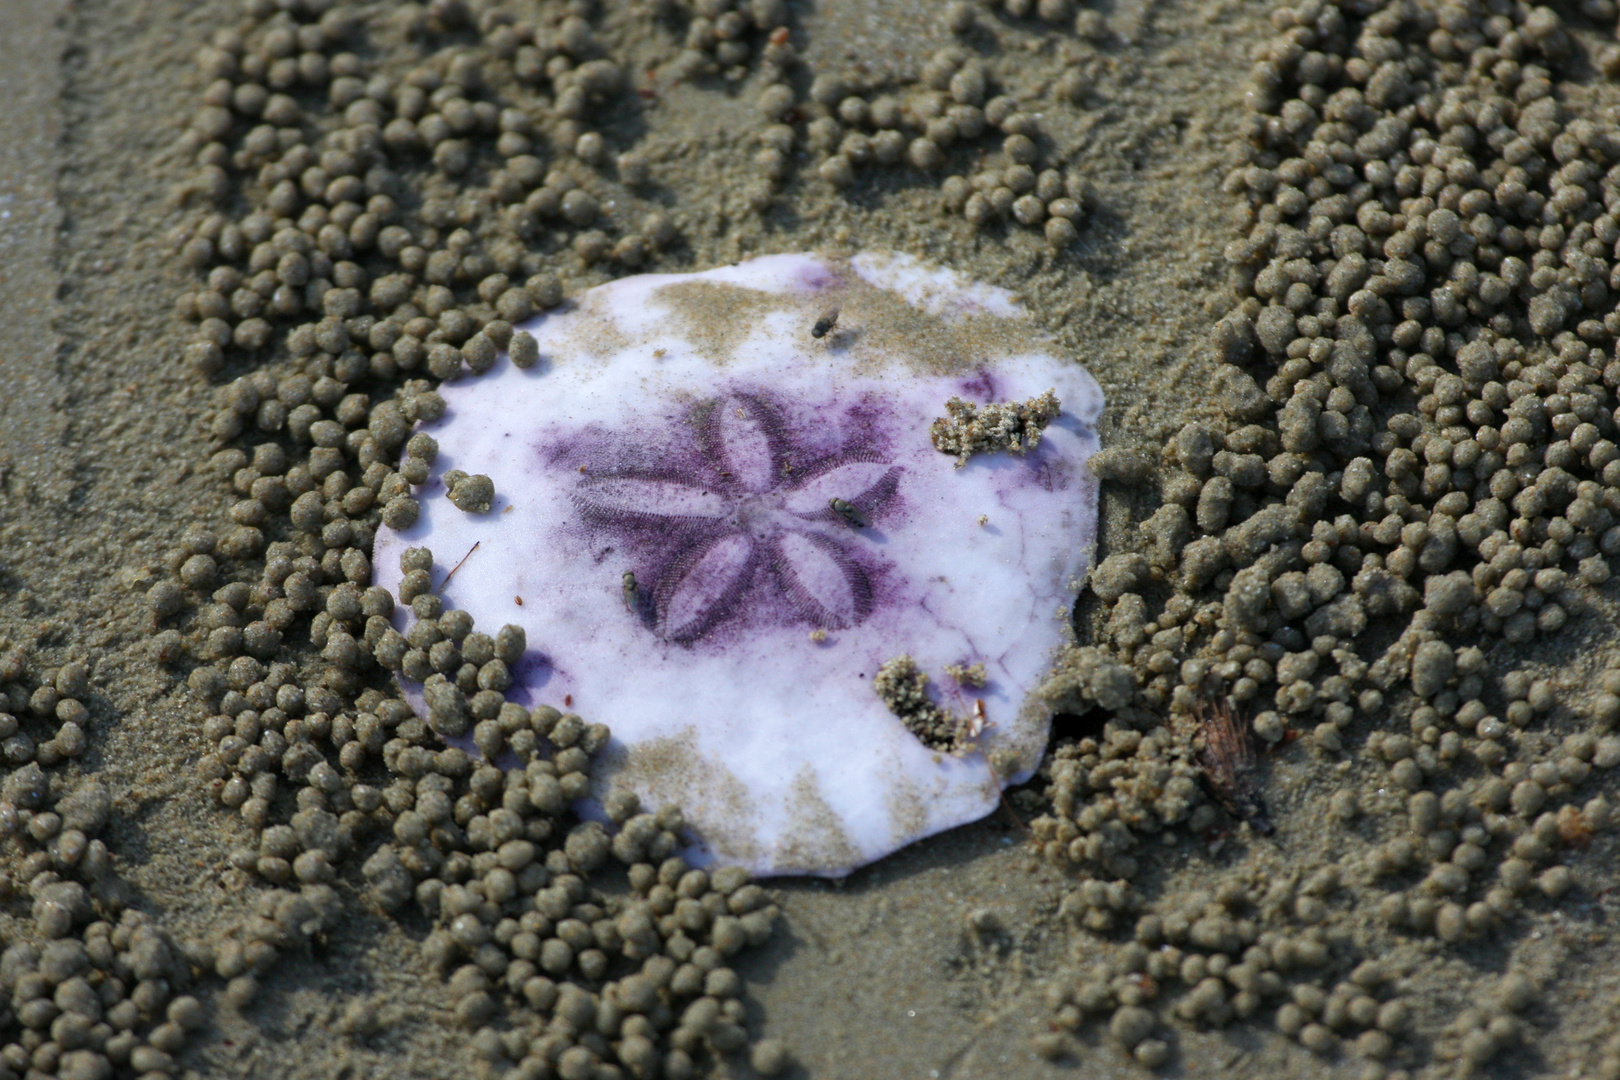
[{"x": 967, "y": 429}]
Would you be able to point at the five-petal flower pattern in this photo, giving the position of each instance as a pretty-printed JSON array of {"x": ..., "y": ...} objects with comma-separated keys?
[{"x": 747, "y": 515}]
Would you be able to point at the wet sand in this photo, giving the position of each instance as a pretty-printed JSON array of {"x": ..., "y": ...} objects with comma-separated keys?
[{"x": 102, "y": 441}]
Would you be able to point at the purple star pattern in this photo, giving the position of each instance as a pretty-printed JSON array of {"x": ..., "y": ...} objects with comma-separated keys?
[{"x": 744, "y": 516}]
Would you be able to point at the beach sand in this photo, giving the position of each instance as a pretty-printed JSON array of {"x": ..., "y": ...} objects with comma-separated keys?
[{"x": 937, "y": 961}]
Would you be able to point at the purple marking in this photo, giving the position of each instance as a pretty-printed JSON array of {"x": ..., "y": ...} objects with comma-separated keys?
[{"x": 731, "y": 530}]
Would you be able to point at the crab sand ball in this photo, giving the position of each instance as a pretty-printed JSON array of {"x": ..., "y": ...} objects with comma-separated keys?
[{"x": 804, "y": 533}]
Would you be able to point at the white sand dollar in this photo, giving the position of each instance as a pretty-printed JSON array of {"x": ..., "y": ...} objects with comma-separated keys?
[{"x": 715, "y": 528}]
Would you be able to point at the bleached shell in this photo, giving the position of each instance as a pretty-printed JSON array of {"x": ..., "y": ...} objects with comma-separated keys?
[{"x": 688, "y": 429}]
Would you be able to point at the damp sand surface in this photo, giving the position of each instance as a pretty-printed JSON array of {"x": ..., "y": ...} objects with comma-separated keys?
[{"x": 934, "y": 963}]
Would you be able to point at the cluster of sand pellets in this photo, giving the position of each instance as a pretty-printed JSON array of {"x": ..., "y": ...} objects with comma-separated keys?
[{"x": 1411, "y": 495}]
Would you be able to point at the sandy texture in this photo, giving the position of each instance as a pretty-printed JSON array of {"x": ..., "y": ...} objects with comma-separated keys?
[
  {"x": 29, "y": 220},
  {"x": 935, "y": 962}
]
